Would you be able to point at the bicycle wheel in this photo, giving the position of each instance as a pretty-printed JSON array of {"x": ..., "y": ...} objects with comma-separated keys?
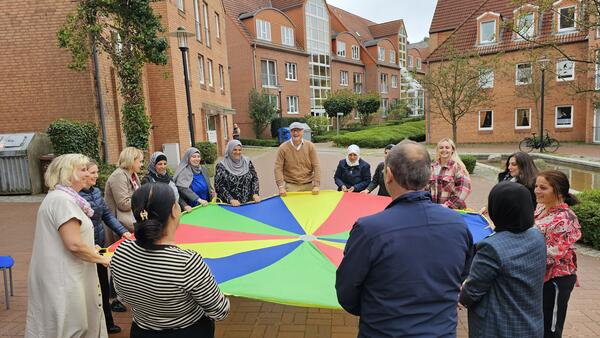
[
  {"x": 551, "y": 145},
  {"x": 526, "y": 145}
]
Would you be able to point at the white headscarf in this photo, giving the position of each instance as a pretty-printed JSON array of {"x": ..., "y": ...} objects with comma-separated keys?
[{"x": 353, "y": 149}]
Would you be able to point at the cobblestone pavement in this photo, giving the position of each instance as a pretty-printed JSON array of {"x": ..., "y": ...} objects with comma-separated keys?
[{"x": 250, "y": 318}]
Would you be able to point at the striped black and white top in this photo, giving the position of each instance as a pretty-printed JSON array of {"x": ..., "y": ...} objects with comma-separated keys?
[{"x": 167, "y": 288}]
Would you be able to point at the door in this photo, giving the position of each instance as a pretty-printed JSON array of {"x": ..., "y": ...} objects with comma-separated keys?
[
  {"x": 596, "y": 125},
  {"x": 211, "y": 128}
]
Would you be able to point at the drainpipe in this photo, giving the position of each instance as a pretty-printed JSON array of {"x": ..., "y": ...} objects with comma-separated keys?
[
  {"x": 427, "y": 111},
  {"x": 254, "y": 64},
  {"x": 100, "y": 98}
]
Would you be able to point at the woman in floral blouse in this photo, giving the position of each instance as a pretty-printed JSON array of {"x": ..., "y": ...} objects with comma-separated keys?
[
  {"x": 560, "y": 227},
  {"x": 450, "y": 184},
  {"x": 236, "y": 181}
]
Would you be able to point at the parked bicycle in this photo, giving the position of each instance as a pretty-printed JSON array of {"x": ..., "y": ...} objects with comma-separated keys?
[{"x": 545, "y": 143}]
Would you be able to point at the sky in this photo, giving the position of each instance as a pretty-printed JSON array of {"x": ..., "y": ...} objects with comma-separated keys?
[{"x": 416, "y": 14}]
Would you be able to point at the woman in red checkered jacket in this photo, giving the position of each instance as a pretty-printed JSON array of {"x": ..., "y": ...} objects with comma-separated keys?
[{"x": 450, "y": 184}]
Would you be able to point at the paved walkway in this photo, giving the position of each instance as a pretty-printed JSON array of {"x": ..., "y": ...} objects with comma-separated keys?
[{"x": 250, "y": 318}]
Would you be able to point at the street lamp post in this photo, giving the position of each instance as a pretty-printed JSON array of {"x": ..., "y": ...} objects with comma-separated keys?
[
  {"x": 543, "y": 64},
  {"x": 182, "y": 35},
  {"x": 279, "y": 89}
]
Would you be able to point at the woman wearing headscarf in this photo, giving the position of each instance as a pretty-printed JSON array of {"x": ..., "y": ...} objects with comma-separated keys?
[
  {"x": 503, "y": 291},
  {"x": 191, "y": 179},
  {"x": 352, "y": 173},
  {"x": 157, "y": 172},
  {"x": 236, "y": 181}
]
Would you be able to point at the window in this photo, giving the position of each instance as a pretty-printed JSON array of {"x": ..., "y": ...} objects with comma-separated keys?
[
  {"x": 292, "y": 104},
  {"x": 355, "y": 52},
  {"x": 290, "y": 72},
  {"x": 525, "y": 26},
  {"x": 523, "y": 118},
  {"x": 383, "y": 84},
  {"x": 565, "y": 70},
  {"x": 263, "y": 30},
  {"x": 402, "y": 41},
  {"x": 201, "y": 68},
  {"x": 287, "y": 36},
  {"x": 209, "y": 64},
  {"x": 381, "y": 53},
  {"x": 419, "y": 63},
  {"x": 486, "y": 120},
  {"x": 217, "y": 26},
  {"x": 221, "y": 78},
  {"x": 392, "y": 56},
  {"x": 197, "y": 21},
  {"x": 341, "y": 48},
  {"x": 564, "y": 116},
  {"x": 274, "y": 101},
  {"x": 597, "y": 72},
  {"x": 410, "y": 61},
  {"x": 566, "y": 18},
  {"x": 523, "y": 74},
  {"x": 206, "y": 26},
  {"x": 384, "y": 106},
  {"x": 357, "y": 80},
  {"x": 487, "y": 32},
  {"x": 343, "y": 78},
  {"x": 268, "y": 73},
  {"x": 486, "y": 78},
  {"x": 180, "y": 5},
  {"x": 394, "y": 81}
]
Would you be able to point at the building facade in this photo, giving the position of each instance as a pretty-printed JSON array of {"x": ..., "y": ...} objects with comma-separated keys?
[{"x": 515, "y": 81}]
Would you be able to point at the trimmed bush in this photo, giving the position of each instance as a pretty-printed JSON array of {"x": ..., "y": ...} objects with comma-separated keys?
[
  {"x": 588, "y": 212},
  {"x": 208, "y": 151},
  {"x": 470, "y": 162},
  {"x": 260, "y": 143},
  {"x": 318, "y": 124},
  {"x": 74, "y": 137},
  {"x": 280, "y": 122},
  {"x": 379, "y": 137}
]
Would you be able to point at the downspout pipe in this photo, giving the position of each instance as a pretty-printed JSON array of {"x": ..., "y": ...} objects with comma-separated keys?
[{"x": 100, "y": 99}]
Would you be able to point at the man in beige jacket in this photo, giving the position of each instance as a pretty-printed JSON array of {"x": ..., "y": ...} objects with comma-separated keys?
[{"x": 297, "y": 165}]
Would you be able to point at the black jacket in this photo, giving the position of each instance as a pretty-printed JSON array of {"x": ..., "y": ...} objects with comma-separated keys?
[
  {"x": 102, "y": 215},
  {"x": 378, "y": 181},
  {"x": 358, "y": 176}
]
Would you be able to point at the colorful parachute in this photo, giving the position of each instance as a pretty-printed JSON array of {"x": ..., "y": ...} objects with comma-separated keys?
[{"x": 284, "y": 249}]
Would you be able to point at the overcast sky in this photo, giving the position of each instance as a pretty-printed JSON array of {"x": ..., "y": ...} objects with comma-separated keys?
[{"x": 416, "y": 14}]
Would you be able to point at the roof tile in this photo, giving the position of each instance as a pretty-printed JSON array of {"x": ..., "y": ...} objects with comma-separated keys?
[{"x": 449, "y": 14}]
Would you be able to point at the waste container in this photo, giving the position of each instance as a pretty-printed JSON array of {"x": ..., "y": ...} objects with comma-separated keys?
[
  {"x": 283, "y": 134},
  {"x": 307, "y": 132},
  {"x": 20, "y": 171}
]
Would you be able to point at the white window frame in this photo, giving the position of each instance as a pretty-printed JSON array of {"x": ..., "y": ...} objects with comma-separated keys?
[
  {"x": 528, "y": 118},
  {"x": 486, "y": 78},
  {"x": 494, "y": 38},
  {"x": 218, "y": 26},
  {"x": 181, "y": 5},
  {"x": 356, "y": 76},
  {"x": 556, "y": 125},
  {"x": 292, "y": 104},
  {"x": 344, "y": 78},
  {"x": 276, "y": 103},
  {"x": 221, "y": 78},
  {"x": 287, "y": 36},
  {"x": 419, "y": 63},
  {"x": 392, "y": 56},
  {"x": 597, "y": 71},
  {"x": 491, "y": 127},
  {"x": 519, "y": 83},
  {"x": 560, "y": 18},
  {"x": 530, "y": 32},
  {"x": 209, "y": 64},
  {"x": 201, "y": 73},
  {"x": 269, "y": 76},
  {"x": 355, "y": 52},
  {"x": 410, "y": 61},
  {"x": 206, "y": 24},
  {"x": 380, "y": 53},
  {"x": 291, "y": 71},
  {"x": 263, "y": 30},
  {"x": 569, "y": 78},
  {"x": 394, "y": 81},
  {"x": 340, "y": 47},
  {"x": 383, "y": 84},
  {"x": 197, "y": 25}
]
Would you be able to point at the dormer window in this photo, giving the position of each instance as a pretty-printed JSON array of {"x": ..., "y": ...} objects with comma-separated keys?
[
  {"x": 487, "y": 32},
  {"x": 355, "y": 52},
  {"x": 263, "y": 30},
  {"x": 525, "y": 25},
  {"x": 287, "y": 36},
  {"x": 341, "y": 48},
  {"x": 380, "y": 53},
  {"x": 566, "y": 18}
]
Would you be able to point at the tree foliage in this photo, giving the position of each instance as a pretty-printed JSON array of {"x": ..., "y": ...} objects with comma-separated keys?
[
  {"x": 366, "y": 105},
  {"x": 69, "y": 137},
  {"x": 342, "y": 101},
  {"x": 128, "y": 32},
  {"x": 261, "y": 111}
]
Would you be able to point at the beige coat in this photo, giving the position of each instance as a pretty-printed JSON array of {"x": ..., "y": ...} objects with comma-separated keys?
[{"x": 117, "y": 194}]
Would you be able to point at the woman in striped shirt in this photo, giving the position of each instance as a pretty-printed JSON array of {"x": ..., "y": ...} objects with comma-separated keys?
[{"x": 171, "y": 291}]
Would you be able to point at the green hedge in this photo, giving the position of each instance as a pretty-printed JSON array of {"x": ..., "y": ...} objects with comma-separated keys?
[
  {"x": 260, "y": 142},
  {"x": 280, "y": 122},
  {"x": 588, "y": 212},
  {"x": 208, "y": 151},
  {"x": 470, "y": 162},
  {"x": 379, "y": 137},
  {"x": 74, "y": 137}
]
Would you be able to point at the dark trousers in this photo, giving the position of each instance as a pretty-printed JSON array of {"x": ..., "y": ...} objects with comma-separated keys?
[
  {"x": 204, "y": 328},
  {"x": 103, "y": 279},
  {"x": 557, "y": 292}
]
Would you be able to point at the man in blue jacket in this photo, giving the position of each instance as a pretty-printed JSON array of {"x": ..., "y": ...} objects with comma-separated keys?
[{"x": 403, "y": 267}]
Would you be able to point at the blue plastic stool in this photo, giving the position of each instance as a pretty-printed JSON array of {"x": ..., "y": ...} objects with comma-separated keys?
[{"x": 6, "y": 263}]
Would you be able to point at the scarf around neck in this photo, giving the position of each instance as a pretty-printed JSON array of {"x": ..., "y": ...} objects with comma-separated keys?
[
  {"x": 80, "y": 201},
  {"x": 236, "y": 167},
  {"x": 154, "y": 159}
]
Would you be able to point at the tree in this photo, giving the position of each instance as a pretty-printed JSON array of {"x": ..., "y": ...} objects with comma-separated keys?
[
  {"x": 262, "y": 111},
  {"x": 366, "y": 105},
  {"x": 342, "y": 101},
  {"x": 128, "y": 31},
  {"x": 455, "y": 86}
]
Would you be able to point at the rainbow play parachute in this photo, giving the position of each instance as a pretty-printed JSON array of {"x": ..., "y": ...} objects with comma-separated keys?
[{"x": 284, "y": 249}]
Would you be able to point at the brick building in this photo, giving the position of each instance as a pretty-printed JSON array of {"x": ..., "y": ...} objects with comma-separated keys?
[
  {"x": 480, "y": 26},
  {"x": 299, "y": 51},
  {"x": 36, "y": 87}
]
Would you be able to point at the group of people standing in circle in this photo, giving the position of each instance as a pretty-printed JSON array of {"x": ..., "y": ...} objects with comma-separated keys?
[{"x": 172, "y": 292}]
